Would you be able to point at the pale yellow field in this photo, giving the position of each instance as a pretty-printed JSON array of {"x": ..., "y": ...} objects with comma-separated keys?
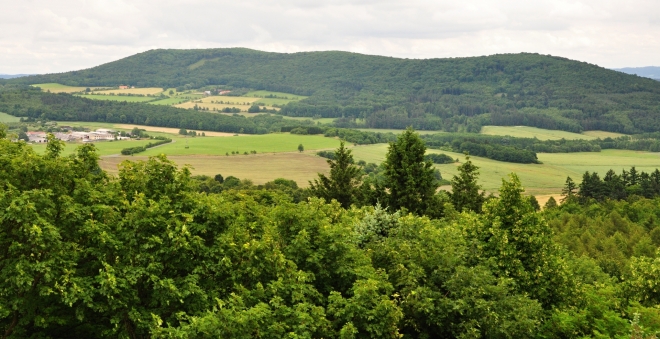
[
  {"x": 140, "y": 91},
  {"x": 58, "y": 88},
  {"x": 172, "y": 130},
  {"x": 260, "y": 168},
  {"x": 218, "y": 103}
]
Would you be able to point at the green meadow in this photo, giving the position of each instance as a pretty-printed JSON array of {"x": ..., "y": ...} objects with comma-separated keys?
[
  {"x": 395, "y": 131},
  {"x": 4, "y": 117},
  {"x": 177, "y": 99},
  {"x": 267, "y": 143},
  {"x": 104, "y": 147},
  {"x": 548, "y": 177},
  {"x": 279, "y": 99}
]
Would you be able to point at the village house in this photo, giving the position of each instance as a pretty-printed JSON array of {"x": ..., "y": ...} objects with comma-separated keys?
[{"x": 123, "y": 87}]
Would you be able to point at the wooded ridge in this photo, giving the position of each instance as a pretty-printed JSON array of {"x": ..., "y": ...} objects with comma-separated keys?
[{"x": 457, "y": 94}]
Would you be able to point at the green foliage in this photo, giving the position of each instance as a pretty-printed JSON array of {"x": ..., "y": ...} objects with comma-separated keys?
[
  {"x": 155, "y": 252},
  {"x": 439, "y": 158},
  {"x": 465, "y": 193},
  {"x": 344, "y": 182}
]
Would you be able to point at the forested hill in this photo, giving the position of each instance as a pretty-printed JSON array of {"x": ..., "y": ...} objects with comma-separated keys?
[{"x": 450, "y": 94}]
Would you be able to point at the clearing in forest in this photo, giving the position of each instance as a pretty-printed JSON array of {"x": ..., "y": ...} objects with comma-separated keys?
[
  {"x": 59, "y": 88},
  {"x": 533, "y": 132},
  {"x": 136, "y": 91}
]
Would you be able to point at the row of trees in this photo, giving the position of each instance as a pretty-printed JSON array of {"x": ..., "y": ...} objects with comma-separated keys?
[{"x": 613, "y": 186}]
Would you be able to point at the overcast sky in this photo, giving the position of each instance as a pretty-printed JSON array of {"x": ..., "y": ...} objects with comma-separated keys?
[{"x": 44, "y": 36}]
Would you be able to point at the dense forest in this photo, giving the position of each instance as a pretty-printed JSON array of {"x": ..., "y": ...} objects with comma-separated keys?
[
  {"x": 156, "y": 253},
  {"x": 32, "y": 104},
  {"x": 457, "y": 94}
]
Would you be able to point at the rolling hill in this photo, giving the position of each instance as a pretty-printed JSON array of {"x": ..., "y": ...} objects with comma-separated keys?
[
  {"x": 457, "y": 94},
  {"x": 652, "y": 72}
]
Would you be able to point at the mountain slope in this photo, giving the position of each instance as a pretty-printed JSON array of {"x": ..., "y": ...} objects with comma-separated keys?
[{"x": 450, "y": 94}]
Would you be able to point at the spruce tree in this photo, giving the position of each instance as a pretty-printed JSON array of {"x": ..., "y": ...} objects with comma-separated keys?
[
  {"x": 343, "y": 184},
  {"x": 551, "y": 203},
  {"x": 409, "y": 176},
  {"x": 569, "y": 190},
  {"x": 465, "y": 190}
]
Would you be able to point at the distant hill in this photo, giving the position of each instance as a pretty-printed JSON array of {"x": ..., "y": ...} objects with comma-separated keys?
[
  {"x": 457, "y": 94},
  {"x": 652, "y": 72},
  {"x": 12, "y": 76}
]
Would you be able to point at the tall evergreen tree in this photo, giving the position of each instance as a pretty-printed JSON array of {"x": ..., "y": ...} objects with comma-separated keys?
[
  {"x": 344, "y": 181},
  {"x": 569, "y": 190},
  {"x": 409, "y": 176},
  {"x": 464, "y": 188}
]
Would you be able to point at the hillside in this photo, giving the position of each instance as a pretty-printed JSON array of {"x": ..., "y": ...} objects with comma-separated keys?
[{"x": 458, "y": 94}]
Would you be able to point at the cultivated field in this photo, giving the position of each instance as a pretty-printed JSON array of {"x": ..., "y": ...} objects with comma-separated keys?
[
  {"x": 115, "y": 97},
  {"x": 177, "y": 99},
  {"x": 4, "y": 117},
  {"x": 259, "y": 168},
  {"x": 217, "y": 103},
  {"x": 533, "y": 132},
  {"x": 268, "y": 143},
  {"x": 602, "y": 134},
  {"x": 278, "y": 98},
  {"x": 59, "y": 88},
  {"x": 542, "y": 179},
  {"x": 395, "y": 131},
  {"x": 138, "y": 91},
  {"x": 104, "y": 147},
  {"x": 321, "y": 120}
]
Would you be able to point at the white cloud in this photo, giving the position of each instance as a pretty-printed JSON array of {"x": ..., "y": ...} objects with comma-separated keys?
[{"x": 38, "y": 36}]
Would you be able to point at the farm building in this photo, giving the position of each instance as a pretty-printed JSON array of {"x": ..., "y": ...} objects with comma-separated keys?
[{"x": 123, "y": 87}]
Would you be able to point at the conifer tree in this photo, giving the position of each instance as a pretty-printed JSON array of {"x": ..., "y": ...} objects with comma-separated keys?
[
  {"x": 409, "y": 177},
  {"x": 465, "y": 190},
  {"x": 569, "y": 190},
  {"x": 551, "y": 203},
  {"x": 343, "y": 184}
]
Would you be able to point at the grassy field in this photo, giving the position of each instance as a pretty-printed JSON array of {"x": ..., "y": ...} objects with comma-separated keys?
[
  {"x": 141, "y": 91},
  {"x": 259, "y": 168},
  {"x": 59, "y": 88},
  {"x": 546, "y": 178},
  {"x": 602, "y": 134},
  {"x": 104, "y": 148},
  {"x": 115, "y": 97},
  {"x": 4, "y": 117},
  {"x": 267, "y": 143},
  {"x": 220, "y": 102},
  {"x": 395, "y": 131},
  {"x": 279, "y": 97},
  {"x": 177, "y": 99},
  {"x": 321, "y": 120},
  {"x": 533, "y": 132}
]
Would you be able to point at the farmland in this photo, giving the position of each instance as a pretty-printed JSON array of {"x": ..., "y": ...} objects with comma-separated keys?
[
  {"x": 104, "y": 148},
  {"x": 116, "y": 97},
  {"x": 268, "y": 143},
  {"x": 269, "y": 98},
  {"x": 533, "y": 132},
  {"x": 58, "y": 88},
  {"x": 543, "y": 178},
  {"x": 135, "y": 91},
  {"x": 259, "y": 168},
  {"x": 4, "y": 117}
]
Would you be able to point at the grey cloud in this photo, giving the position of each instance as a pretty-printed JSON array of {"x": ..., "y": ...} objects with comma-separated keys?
[{"x": 48, "y": 36}]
